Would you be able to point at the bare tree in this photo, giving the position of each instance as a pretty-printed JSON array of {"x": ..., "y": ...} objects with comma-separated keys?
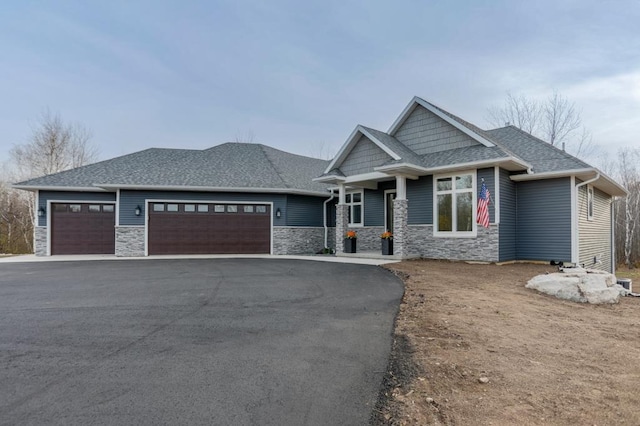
[
  {"x": 53, "y": 146},
  {"x": 518, "y": 110},
  {"x": 555, "y": 120},
  {"x": 561, "y": 119},
  {"x": 245, "y": 137},
  {"x": 628, "y": 209}
]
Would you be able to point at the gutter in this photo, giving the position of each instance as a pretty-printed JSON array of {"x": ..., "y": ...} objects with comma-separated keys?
[{"x": 324, "y": 219}]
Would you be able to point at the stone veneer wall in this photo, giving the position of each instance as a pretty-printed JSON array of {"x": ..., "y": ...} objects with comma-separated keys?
[
  {"x": 482, "y": 248},
  {"x": 40, "y": 240},
  {"x": 369, "y": 238},
  {"x": 342, "y": 222},
  {"x": 298, "y": 239},
  {"x": 130, "y": 241},
  {"x": 401, "y": 236}
]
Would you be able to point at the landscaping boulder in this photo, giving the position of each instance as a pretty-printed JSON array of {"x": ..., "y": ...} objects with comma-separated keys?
[{"x": 579, "y": 285}]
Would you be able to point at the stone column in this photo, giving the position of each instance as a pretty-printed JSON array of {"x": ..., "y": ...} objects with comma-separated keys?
[
  {"x": 342, "y": 226},
  {"x": 400, "y": 227},
  {"x": 40, "y": 241}
]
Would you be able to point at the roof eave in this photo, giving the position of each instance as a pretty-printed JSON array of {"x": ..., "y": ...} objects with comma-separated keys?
[
  {"x": 61, "y": 188},
  {"x": 213, "y": 189},
  {"x": 604, "y": 182}
]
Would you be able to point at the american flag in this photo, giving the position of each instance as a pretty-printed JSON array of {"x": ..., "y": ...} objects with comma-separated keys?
[{"x": 483, "y": 206}]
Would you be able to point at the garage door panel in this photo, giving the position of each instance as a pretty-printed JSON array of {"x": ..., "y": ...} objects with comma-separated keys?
[
  {"x": 209, "y": 232},
  {"x": 81, "y": 231}
]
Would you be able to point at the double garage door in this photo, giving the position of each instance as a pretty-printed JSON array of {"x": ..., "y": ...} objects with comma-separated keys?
[{"x": 209, "y": 228}]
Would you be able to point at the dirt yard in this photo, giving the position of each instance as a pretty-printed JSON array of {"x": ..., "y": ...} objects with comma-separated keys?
[{"x": 543, "y": 361}]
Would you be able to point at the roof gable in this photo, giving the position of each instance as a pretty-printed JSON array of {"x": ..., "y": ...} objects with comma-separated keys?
[
  {"x": 363, "y": 157},
  {"x": 353, "y": 140},
  {"x": 425, "y": 129}
]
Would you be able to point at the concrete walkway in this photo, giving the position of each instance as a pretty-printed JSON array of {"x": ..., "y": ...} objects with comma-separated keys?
[{"x": 91, "y": 257}]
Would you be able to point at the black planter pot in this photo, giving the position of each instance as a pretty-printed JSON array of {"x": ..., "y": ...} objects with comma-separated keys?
[
  {"x": 350, "y": 245},
  {"x": 387, "y": 246}
]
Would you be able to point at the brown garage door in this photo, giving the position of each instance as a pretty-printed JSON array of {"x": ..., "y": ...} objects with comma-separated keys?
[
  {"x": 83, "y": 228},
  {"x": 209, "y": 228}
]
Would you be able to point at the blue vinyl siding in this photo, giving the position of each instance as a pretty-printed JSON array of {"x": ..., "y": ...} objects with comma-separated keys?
[
  {"x": 489, "y": 177},
  {"x": 130, "y": 199},
  {"x": 304, "y": 211},
  {"x": 70, "y": 196},
  {"x": 374, "y": 204},
  {"x": 420, "y": 200},
  {"x": 374, "y": 207},
  {"x": 543, "y": 220},
  {"x": 507, "y": 237}
]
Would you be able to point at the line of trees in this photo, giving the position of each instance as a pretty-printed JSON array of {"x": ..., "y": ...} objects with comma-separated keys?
[{"x": 53, "y": 146}]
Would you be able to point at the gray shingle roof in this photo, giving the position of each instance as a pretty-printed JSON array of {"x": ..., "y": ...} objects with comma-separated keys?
[
  {"x": 542, "y": 156},
  {"x": 405, "y": 153},
  {"x": 230, "y": 165}
]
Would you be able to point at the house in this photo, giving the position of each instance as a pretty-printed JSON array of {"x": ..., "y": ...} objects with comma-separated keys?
[{"x": 421, "y": 179}]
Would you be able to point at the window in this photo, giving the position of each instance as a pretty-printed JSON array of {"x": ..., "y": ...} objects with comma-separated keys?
[
  {"x": 218, "y": 208},
  {"x": 75, "y": 208},
  {"x": 172, "y": 207},
  {"x": 158, "y": 207},
  {"x": 203, "y": 208},
  {"x": 354, "y": 201},
  {"x": 189, "y": 208},
  {"x": 589, "y": 202},
  {"x": 231, "y": 208},
  {"x": 261, "y": 209},
  {"x": 454, "y": 205},
  {"x": 94, "y": 208},
  {"x": 60, "y": 207},
  {"x": 108, "y": 208},
  {"x": 248, "y": 209}
]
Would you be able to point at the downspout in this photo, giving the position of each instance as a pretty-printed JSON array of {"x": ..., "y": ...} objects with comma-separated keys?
[
  {"x": 324, "y": 219},
  {"x": 577, "y": 223}
]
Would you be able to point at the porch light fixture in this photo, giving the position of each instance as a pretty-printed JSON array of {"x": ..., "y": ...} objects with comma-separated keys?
[
  {"x": 138, "y": 210},
  {"x": 41, "y": 212},
  {"x": 278, "y": 212}
]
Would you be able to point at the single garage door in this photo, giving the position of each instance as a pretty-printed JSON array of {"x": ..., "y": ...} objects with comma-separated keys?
[
  {"x": 83, "y": 228},
  {"x": 209, "y": 228}
]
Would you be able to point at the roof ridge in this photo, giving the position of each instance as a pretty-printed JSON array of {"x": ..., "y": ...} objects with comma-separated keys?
[{"x": 278, "y": 172}]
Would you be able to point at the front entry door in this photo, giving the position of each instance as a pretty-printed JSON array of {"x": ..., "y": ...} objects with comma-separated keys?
[{"x": 389, "y": 196}]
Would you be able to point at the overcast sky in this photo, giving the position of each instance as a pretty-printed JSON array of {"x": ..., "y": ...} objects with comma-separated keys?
[{"x": 300, "y": 75}]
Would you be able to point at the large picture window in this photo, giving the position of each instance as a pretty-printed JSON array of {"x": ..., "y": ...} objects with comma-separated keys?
[
  {"x": 454, "y": 205},
  {"x": 354, "y": 201}
]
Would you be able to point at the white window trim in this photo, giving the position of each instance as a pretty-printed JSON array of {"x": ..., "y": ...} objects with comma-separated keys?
[
  {"x": 591, "y": 195},
  {"x": 351, "y": 204},
  {"x": 474, "y": 206}
]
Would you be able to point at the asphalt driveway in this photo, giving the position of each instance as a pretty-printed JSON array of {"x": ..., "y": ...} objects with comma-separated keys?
[{"x": 223, "y": 342}]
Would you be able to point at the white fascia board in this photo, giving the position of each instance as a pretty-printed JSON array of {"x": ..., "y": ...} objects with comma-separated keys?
[
  {"x": 329, "y": 179},
  {"x": 213, "y": 189},
  {"x": 551, "y": 175},
  {"x": 418, "y": 101},
  {"x": 613, "y": 187},
  {"x": 62, "y": 188},
  {"x": 378, "y": 143},
  {"x": 366, "y": 176},
  {"x": 402, "y": 167},
  {"x": 344, "y": 150},
  {"x": 477, "y": 165}
]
